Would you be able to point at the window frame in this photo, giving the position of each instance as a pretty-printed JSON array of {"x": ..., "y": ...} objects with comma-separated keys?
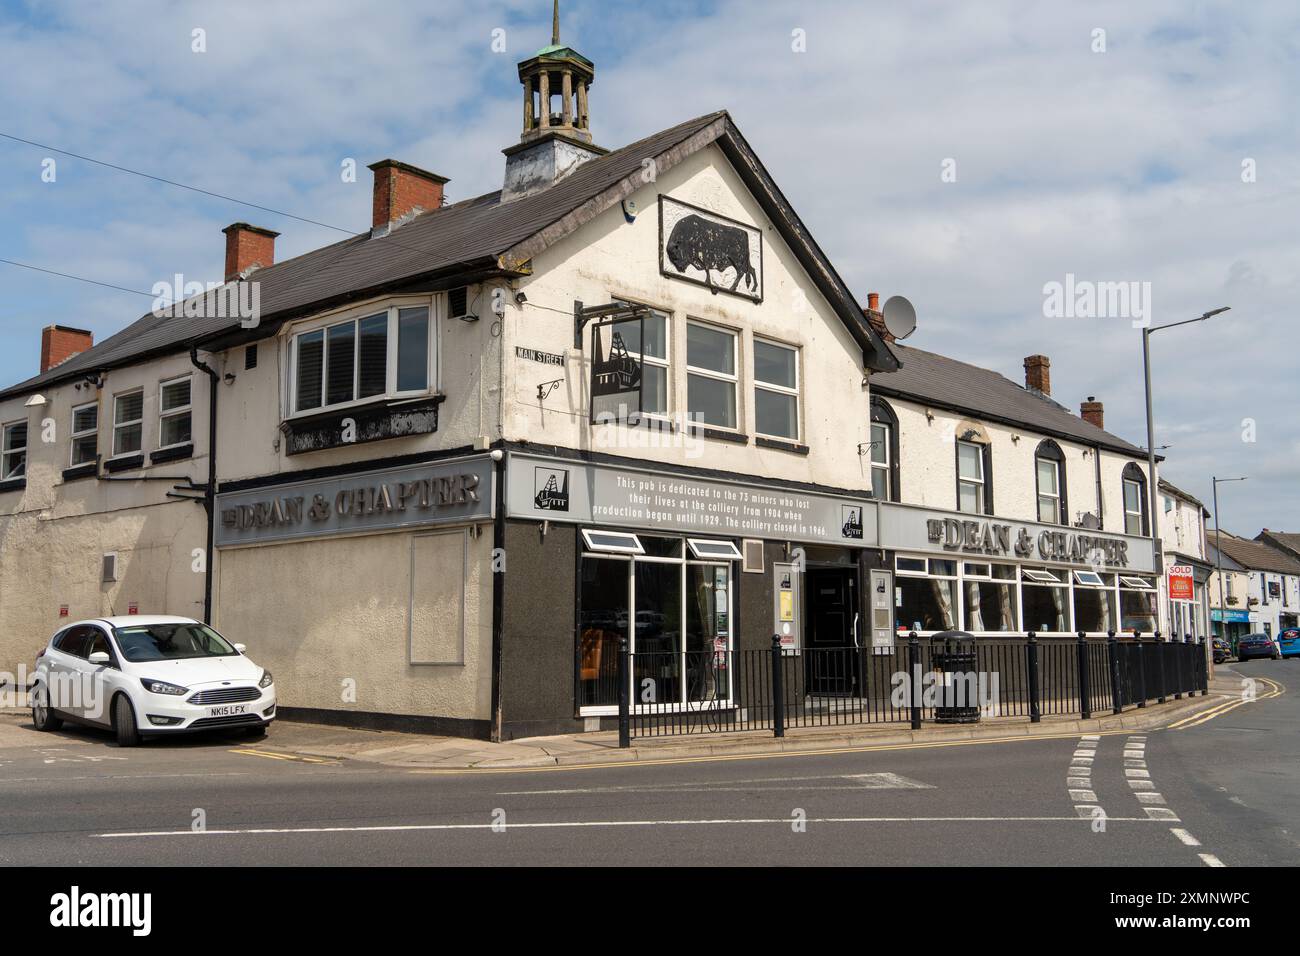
[
  {"x": 983, "y": 484},
  {"x": 665, "y": 363},
  {"x": 177, "y": 412},
  {"x": 6, "y": 453},
  {"x": 733, "y": 378},
  {"x": 84, "y": 433},
  {"x": 760, "y": 385},
  {"x": 1133, "y": 475},
  {"x": 882, "y": 414},
  {"x": 1050, "y": 452},
  {"x": 391, "y": 309},
  {"x": 118, "y": 426}
]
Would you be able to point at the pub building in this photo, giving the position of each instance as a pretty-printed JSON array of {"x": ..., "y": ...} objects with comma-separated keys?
[{"x": 454, "y": 460}]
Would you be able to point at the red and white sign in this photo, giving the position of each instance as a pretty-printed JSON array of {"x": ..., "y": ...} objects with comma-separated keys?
[
  {"x": 1181, "y": 583},
  {"x": 63, "y": 610},
  {"x": 133, "y": 608}
]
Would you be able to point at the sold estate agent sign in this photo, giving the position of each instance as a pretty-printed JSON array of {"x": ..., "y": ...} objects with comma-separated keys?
[
  {"x": 1180, "y": 583},
  {"x": 564, "y": 490},
  {"x": 441, "y": 492}
]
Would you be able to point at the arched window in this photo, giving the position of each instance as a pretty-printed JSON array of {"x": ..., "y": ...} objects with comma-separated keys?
[
  {"x": 974, "y": 469},
  {"x": 1136, "y": 518},
  {"x": 884, "y": 452},
  {"x": 1049, "y": 468}
]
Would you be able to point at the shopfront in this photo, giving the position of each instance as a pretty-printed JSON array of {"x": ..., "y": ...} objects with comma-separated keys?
[
  {"x": 1231, "y": 624},
  {"x": 990, "y": 577},
  {"x": 687, "y": 568}
]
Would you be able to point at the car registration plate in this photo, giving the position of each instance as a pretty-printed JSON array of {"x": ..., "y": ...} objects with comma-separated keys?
[{"x": 227, "y": 710}]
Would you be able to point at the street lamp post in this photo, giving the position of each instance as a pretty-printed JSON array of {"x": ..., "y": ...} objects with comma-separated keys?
[
  {"x": 1152, "y": 482},
  {"x": 1218, "y": 556}
]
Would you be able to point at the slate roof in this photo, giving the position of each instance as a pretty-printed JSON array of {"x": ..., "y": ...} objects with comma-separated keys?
[
  {"x": 1286, "y": 541},
  {"x": 940, "y": 381},
  {"x": 1257, "y": 556},
  {"x": 476, "y": 236}
]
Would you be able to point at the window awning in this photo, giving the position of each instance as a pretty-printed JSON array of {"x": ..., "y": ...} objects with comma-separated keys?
[
  {"x": 614, "y": 542},
  {"x": 1137, "y": 584},
  {"x": 1090, "y": 578},
  {"x": 1039, "y": 577}
]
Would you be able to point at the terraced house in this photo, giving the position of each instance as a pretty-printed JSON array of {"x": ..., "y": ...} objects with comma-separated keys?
[{"x": 456, "y": 460}]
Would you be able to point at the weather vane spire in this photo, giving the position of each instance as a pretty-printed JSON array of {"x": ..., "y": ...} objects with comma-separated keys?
[{"x": 555, "y": 24}]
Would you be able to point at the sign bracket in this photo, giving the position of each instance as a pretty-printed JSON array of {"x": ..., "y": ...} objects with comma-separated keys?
[{"x": 621, "y": 310}]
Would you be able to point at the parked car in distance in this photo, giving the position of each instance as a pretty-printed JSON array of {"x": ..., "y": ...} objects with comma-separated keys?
[
  {"x": 1288, "y": 641},
  {"x": 145, "y": 676},
  {"x": 1257, "y": 645},
  {"x": 1222, "y": 650}
]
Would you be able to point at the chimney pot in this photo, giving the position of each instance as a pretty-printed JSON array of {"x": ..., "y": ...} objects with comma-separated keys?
[
  {"x": 248, "y": 247},
  {"x": 60, "y": 342},
  {"x": 873, "y": 301},
  {"x": 402, "y": 189},
  {"x": 1038, "y": 376},
  {"x": 1092, "y": 412}
]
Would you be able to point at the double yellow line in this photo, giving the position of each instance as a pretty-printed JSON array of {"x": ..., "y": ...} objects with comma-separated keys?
[
  {"x": 1277, "y": 690},
  {"x": 278, "y": 756}
]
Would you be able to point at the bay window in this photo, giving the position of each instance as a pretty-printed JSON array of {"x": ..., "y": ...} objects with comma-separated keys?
[
  {"x": 776, "y": 390},
  {"x": 383, "y": 354},
  {"x": 711, "y": 375}
]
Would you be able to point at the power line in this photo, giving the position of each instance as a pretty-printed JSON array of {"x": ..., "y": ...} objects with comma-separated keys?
[
  {"x": 68, "y": 275},
  {"x": 172, "y": 182}
]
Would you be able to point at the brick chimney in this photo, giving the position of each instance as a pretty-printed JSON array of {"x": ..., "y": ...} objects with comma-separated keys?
[
  {"x": 248, "y": 247},
  {"x": 1038, "y": 375},
  {"x": 1092, "y": 412},
  {"x": 876, "y": 318},
  {"x": 60, "y": 342},
  {"x": 402, "y": 190}
]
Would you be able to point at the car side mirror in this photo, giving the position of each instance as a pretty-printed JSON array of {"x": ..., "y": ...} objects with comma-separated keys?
[
  {"x": 100, "y": 658},
  {"x": 242, "y": 648}
]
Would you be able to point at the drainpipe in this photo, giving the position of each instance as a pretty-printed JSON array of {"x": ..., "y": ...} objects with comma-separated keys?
[{"x": 210, "y": 492}]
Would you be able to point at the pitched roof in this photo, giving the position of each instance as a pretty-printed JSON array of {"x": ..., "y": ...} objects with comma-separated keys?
[
  {"x": 1257, "y": 556},
  {"x": 1288, "y": 541},
  {"x": 941, "y": 381},
  {"x": 476, "y": 237},
  {"x": 1169, "y": 486}
]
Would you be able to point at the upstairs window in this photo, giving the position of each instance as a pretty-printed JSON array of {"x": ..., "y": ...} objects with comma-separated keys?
[
  {"x": 128, "y": 422},
  {"x": 880, "y": 461},
  {"x": 1049, "y": 464},
  {"x": 13, "y": 451},
  {"x": 776, "y": 390},
  {"x": 85, "y": 433},
  {"x": 383, "y": 354},
  {"x": 711, "y": 375},
  {"x": 972, "y": 494},
  {"x": 1135, "y": 500},
  {"x": 174, "y": 412}
]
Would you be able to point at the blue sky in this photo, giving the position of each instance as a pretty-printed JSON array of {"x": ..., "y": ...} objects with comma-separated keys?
[{"x": 1115, "y": 165}]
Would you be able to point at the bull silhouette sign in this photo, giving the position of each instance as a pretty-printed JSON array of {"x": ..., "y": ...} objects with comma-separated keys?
[{"x": 711, "y": 250}]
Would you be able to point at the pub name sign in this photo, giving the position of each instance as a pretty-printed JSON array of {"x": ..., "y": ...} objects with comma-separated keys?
[
  {"x": 994, "y": 538},
  {"x": 436, "y": 493}
]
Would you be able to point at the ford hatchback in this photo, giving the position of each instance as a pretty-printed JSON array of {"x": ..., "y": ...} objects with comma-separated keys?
[{"x": 144, "y": 676}]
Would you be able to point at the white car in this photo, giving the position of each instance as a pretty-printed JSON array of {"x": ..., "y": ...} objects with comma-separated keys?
[{"x": 149, "y": 675}]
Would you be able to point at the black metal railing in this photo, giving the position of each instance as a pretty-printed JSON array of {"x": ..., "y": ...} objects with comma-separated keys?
[{"x": 715, "y": 691}]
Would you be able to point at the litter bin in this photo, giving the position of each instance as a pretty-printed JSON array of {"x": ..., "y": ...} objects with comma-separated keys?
[{"x": 952, "y": 657}]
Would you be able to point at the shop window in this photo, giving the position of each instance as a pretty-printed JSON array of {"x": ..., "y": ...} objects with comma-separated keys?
[
  {"x": 929, "y": 603},
  {"x": 1049, "y": 464},
  {"x": 884, "y": 451},
  {"x": 13, "y": 451},
  {"x": 603, "y": 599},
  {"x": 374, "y": 356},
  {"x": 85, "y": 433},
  {"x": 616, "y": 542},
  {"x": 1135, "y": 501},
  {"x": 657, "y": 622},
  {"x": 776, "y": 390},
  {"x": 1137, "y": 605},
  {"x": 1094, "y": 602},
  {"x": 1045, "y": 602},
  {"x": 174, "y": 412},
  {"x": 990, "y": 605},
  {"x": 711, "y": 375},
  {"x": 973, "y": 478},
  {"x": 647, "y": 340},
  {"x": 128, "y": 422}
]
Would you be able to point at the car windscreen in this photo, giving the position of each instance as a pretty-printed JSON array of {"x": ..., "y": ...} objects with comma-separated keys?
[{"x": 165, "y": 642}]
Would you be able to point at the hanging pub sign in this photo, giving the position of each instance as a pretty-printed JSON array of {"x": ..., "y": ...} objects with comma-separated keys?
[
  {"x": 615, "y": 373},
  {"x": 710, "y": 250}
]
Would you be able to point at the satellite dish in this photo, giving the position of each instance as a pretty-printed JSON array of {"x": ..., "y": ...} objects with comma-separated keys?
[{"x": 900, "y": 317}]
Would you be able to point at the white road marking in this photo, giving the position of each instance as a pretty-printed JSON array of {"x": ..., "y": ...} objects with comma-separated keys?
[
  {"x": 1135, "y": 772},
  {"x": 1141, "y": 785},
  {"x": 855, "y": 781},
  {"x": 1135, "y": 763},
  {"x": 1186, "y": 837},
  {"x": 1083, "y": 796},
  {"x": 1090, "y": 737},
  {"x": 1149, "y": 798},
  {"x": 1161, "y": 813},
  {"x": 1082, "y": 782},
  {"x": 1078, "y": 759},
  {"x": 1209, "y": 859},
  {"x": 582, "y": 824}
]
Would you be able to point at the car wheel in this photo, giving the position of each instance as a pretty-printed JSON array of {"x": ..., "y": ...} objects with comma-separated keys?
[
  {"x": 42, "y": 717},
  {"x": 128, "y": 735}
]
